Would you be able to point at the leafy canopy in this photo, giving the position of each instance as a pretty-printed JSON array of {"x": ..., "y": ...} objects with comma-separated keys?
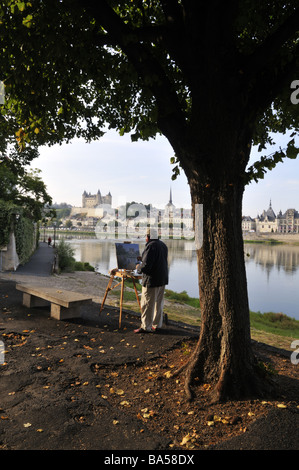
[
  {"x": 21, "y": 187},
  {"x": 144, "y": 67}
]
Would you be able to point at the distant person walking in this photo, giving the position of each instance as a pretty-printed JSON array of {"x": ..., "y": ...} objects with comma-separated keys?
[
  {"x": 49, "y": 241},
  {"x": 154, "y": 269}
]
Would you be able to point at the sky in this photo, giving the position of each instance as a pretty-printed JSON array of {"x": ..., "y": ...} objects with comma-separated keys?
[{"x": 141, "y": 172}]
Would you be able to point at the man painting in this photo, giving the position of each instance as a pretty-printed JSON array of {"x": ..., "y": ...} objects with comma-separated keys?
[{"x": 154, "y": 269}]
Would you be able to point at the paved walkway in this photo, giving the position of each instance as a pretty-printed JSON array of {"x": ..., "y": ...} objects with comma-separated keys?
[{"x": 40, "y": 264}]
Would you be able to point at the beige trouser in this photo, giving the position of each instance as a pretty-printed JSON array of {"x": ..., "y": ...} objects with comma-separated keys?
[{"x": 152, "y": 302}]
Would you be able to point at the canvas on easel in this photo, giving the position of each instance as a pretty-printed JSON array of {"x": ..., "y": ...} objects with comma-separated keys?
[{"x": 126, "y": 255}]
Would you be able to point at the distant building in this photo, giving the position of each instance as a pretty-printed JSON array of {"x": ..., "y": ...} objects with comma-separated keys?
[
  {"x": 288, "y": 222},
  {"x": 170, "y": 207},
  {"x": 269, "y": 222},
  {"x": 93, "y": 205},
  {"x": 94, "y": 200},
  {"x": 248, "y": 224}
]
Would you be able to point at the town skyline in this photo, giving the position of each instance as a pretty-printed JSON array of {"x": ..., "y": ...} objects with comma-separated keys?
[{"x": 141, "y": 172}]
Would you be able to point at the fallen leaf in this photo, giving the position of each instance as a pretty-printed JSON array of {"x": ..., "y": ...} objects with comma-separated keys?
[
  {"x": 207, "y": 386},
  {"x": 27, "y": 425},
  {"x": 281, "y": 405},
  {"x": 185, "y": 439},
  {"x": 224, "y": 421}
]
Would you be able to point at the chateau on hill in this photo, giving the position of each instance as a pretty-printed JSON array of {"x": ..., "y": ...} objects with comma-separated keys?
[{"x": 94, "y": 200}]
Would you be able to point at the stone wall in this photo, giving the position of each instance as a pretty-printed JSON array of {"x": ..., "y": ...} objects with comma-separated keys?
[{"x": 9, "y": 260}]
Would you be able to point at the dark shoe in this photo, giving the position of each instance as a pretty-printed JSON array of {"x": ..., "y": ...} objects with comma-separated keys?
[{"x": 155, "y": 329}]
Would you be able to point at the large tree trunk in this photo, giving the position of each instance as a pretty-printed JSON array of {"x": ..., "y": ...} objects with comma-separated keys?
[{"x": 223, "y": 355}]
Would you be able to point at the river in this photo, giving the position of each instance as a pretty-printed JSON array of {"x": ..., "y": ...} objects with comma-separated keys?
[{"x": 272, "y": 270}]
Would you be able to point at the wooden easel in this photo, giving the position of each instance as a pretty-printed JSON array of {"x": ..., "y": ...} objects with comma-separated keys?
[{"x": 123, "y": 274}]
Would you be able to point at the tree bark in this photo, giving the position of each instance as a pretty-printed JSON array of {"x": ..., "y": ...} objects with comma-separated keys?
[{"x": 223, "y": 355}]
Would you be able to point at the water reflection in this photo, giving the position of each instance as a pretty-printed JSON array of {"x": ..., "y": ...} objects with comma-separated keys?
[
  {"x": 275, "y": 257},
  {"x": 273, "y": 278},
  {"x": 102, "y": 254},
  {"x": 272, "y": 270}
]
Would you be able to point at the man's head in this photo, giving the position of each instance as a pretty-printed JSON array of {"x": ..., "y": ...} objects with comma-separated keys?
[{"x": 152, "y": 234}]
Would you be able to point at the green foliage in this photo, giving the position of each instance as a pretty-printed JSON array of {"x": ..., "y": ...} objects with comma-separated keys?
[
  {"x": 66, "y": 260},
  {"x": 13, "y": 218},
  {"x": 25, "y": 238},
  {"x": 8, "y": 213},
  {"x": 22, "y": 187},
  {"x": 80, "y": 266},
  {"x": 146, "y": 68}
]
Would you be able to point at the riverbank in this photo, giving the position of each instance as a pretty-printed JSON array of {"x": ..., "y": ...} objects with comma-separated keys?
[
  {"x": 283, "y": 238},
  {"x": 275, "y": 329},
  {"x": 178, "y": 307}
]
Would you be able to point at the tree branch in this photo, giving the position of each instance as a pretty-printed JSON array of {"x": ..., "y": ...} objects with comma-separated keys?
[
  {"x": 173, "y": 12},
  {"x": 271, "y": 84},
  {"x": 140, "y": 56},
  {"x": 266, "y": 54}
]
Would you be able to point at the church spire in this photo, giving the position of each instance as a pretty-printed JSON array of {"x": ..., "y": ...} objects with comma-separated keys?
[{"x": 170, "y": 197}]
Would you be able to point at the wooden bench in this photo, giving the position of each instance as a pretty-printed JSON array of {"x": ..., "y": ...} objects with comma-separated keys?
[{"x": 64, "y": 304}]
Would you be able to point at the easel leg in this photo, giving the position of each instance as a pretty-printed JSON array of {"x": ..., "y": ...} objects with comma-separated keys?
[
  {"x": 107, "y": 290},
  {"x": 136, "y": 292},
  {"x": 121, "y": 299}
]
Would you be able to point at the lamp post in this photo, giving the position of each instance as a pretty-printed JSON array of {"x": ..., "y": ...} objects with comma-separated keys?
[{"x": 54, "y": 233}]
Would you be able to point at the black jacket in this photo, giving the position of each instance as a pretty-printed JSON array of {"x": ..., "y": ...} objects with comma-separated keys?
[{"x": 154, "y": 266}]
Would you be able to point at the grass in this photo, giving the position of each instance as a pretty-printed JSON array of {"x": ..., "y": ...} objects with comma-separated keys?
[
  {"x": 269, "y": 241},
  {"x": 276, "y": 323}
]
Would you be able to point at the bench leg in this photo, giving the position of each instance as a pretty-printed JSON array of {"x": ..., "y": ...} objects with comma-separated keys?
[
  {"x": 32, "y": 301},
  {"x": 63, "y": 313}
]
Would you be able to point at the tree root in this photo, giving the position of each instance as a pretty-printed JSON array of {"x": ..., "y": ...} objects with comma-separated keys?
[{"x": 226, "y": 386}]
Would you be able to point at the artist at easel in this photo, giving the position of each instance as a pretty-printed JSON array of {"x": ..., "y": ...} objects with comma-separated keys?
[
  {"x": 154, "y": 269},
  {"x": 127, "y": 255}
]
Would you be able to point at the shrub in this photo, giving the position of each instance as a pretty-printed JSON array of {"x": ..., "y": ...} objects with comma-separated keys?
[
  {"x": 80, "y": 266},
  {"x": 66, "y": 260}
]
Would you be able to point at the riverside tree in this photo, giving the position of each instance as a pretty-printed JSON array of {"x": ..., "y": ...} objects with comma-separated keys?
[{"x": 213, "y": 77}]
